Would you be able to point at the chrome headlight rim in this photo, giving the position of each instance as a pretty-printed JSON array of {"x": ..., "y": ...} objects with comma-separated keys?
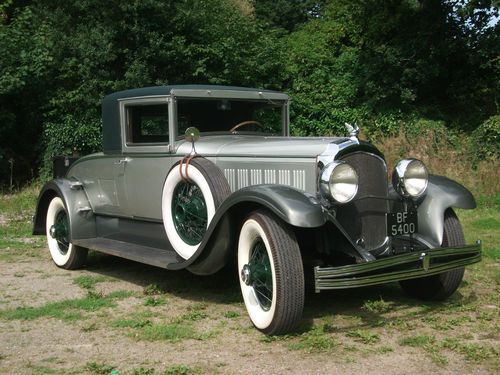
[
  {"x": 410, "y": 178},
  {"x": 339, "y": 182}
]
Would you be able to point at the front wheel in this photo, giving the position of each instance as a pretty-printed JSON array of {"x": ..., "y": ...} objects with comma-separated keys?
[
  {"x": 271, "y": 273},
  {"x": 442, "y": 285},
  {"x": 63, "y": 252}
]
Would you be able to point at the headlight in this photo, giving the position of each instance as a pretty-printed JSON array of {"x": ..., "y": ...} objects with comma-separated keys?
[
  {"x": 410, "y": 178},
  {"x": 339, "y": 181}
]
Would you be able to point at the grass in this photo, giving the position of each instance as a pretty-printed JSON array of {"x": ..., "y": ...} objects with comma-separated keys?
[
  {"x": 377, "y": 306},
  {"x": 98, "y": 368},
  {"x": 169, "y": 332},
  {"x": 232, "y": 314},
  {"x": 364, "y": 336},
  {"x": 154, "y": 301},
  {"x": 69, "y": 309},
  {"x": 88, "y": 282}
]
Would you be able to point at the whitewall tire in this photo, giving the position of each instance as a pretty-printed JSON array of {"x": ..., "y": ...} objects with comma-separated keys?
[
  {"x": 63, "y": 252},
  {"x": 271, "y": 273}
]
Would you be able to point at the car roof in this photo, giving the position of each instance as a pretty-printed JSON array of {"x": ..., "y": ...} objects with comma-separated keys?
[{"x": 215, "y": 91}]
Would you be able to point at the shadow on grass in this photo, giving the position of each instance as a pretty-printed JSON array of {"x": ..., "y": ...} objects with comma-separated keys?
[
  {"x": 223, "y": 288},
  {"x": 219, "y": 288}
]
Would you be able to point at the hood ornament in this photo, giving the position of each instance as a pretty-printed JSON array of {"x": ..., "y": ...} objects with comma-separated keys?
[{"x": 353, "y": 130}]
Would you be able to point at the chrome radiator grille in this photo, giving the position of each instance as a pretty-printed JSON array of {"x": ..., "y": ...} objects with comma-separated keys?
[{"x": 364, "y": 218}]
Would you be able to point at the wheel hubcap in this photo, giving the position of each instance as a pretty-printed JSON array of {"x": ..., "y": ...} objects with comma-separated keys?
[
  {"x": 245, "y": 274},
  {"x": 189, "y": 212},
  {"x": 258, "y": 274},
  {"x": 59, "y": 231}
]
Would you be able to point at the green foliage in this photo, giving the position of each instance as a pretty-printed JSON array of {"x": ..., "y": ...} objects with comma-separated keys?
[
  {"x": 72, "y": 135},
  {"x": 381, "y": 63},
  {"x": 487, "y": 139},
  {"x": 287, "y": 14}
]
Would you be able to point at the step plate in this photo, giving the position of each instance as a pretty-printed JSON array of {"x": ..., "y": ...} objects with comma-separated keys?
[{"x": 143, "y": 254}]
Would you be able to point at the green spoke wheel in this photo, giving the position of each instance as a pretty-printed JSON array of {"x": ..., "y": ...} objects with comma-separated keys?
[
  {"x": 63, "y": 252},
  {"x": 189, "y": 202},
  {"x": 271, "y": 273},
  {"x": 189, "y": 212},
  {"x": 262, "y": 277},
  {"x": 60, "y": 230}
]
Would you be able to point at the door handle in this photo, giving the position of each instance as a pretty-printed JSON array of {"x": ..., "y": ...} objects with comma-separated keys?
[{"x": 122, "y": 161}]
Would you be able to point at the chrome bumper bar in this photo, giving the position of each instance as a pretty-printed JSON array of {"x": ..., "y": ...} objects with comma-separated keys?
[{"x": 397, "y": 267}]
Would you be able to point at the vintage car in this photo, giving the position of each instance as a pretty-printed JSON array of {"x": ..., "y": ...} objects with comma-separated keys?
[{"x": 191, "y": 177}]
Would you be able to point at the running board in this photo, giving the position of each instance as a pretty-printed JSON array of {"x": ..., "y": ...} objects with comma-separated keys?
[{"x": 143, "y": 254}]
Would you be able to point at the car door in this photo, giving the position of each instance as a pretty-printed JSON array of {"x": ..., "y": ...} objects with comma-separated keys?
[{"x": 147, "y": 158}]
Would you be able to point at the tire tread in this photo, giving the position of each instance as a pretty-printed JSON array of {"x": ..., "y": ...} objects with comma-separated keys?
[{"x": 289, "y": 273}]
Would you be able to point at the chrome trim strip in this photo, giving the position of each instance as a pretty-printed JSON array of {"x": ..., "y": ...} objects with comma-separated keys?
[{"x": 347, "y": 276}]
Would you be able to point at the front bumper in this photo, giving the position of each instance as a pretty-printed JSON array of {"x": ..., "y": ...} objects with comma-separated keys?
[{"x": 396, "y": 268}]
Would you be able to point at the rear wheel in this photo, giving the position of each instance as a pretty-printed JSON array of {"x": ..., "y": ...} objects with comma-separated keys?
[
  {"x": 63, "y": 252},
  {"x": 443, "y": 285},
  {"x": 271, "y": 273}
]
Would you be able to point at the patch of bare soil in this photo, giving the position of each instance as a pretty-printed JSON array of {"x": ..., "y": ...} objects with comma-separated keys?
[{"x": 128, "y": 335}]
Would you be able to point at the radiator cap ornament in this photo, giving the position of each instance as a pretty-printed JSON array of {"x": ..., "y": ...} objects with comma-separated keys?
[{"x": 353, "y": 130}]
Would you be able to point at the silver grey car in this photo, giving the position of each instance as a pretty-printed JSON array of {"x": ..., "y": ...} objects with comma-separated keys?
[{"x": 192, "y": 176}]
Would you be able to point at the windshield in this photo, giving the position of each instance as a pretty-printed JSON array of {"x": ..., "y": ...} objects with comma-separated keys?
[{"x": 225, "y": 115}]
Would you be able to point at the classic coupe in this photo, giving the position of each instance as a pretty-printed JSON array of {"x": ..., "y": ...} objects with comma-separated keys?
[{"x": 193, "y": 176}]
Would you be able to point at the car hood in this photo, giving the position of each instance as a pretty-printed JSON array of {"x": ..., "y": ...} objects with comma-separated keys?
[{"x": 252, "y": 146}]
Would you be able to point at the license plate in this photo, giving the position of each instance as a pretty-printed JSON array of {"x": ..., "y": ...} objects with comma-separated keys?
[{"x": 399, "y": 223}]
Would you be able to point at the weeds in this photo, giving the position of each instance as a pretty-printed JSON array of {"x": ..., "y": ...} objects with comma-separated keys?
[
  {"x": 377, "y": 306},
  {"x": 96, "y": 368},
  {"x": 88, "y": 282},
  {"x": 152, "y": 301},
  {"x": 132, "y": 323},
  {"x": 366, "y": 337},
  {"x": 232, "y": 314},
  {"x": 152, "y": 290}
]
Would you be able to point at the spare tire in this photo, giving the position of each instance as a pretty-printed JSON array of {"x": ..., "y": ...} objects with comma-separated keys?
[{"x": 188, "y": 205}]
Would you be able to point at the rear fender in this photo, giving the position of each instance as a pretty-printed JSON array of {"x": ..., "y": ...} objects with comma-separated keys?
[
  {"x": 80, "y": 214},
  {"x": 442, "y": 193}
]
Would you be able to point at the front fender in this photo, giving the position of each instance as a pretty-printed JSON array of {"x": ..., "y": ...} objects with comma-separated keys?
[
  {"x": 442, "y": 193},
  {"x": 291, "y": 205},
  {"x": 80, "y": 214}
]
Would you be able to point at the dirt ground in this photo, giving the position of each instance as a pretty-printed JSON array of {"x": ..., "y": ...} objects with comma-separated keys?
[{"x": 349, "y": 332}]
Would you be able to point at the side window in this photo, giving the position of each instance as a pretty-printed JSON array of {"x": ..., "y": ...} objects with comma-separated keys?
[{"x": 147, "y": 123}]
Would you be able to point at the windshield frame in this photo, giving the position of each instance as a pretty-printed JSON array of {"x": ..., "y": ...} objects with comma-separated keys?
[{"x": 251, "y": 96}]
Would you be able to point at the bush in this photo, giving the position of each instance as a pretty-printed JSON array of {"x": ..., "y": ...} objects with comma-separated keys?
[
  {"x": 70, "y": 136},
  {"x": 486, "y": 139}
]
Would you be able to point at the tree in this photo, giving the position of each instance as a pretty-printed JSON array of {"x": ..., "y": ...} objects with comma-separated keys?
[
  {"x": 66, "y": 55},
  {"x": 288, "y": 15}
]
